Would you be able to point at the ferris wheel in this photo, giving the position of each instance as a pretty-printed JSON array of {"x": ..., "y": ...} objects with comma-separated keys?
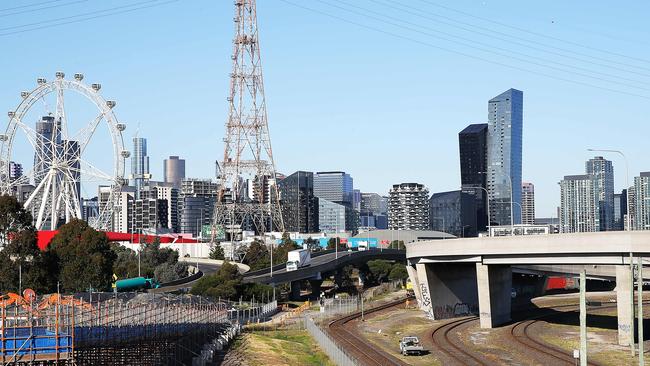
[{"x": 65, "y": 155}]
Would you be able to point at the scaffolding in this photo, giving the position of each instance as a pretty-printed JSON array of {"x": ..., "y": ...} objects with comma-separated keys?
[{"x": 65, "y": 330}]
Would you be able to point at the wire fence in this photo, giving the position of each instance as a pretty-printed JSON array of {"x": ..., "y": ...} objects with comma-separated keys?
[{"x": 328, "y": 345}]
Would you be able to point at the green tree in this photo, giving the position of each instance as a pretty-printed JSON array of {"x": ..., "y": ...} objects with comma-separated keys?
[
  {"x": 312, "y": 244},
  {"x": 281, "y": 253},
  {"x": 126, "y": 261},
  {"x": 84, "y": 257},
  {"x": 331, "y": 244},
  {"x": 379, "y": 270},
  {"x": 13, "y": 218},
  {"x": 216, "y": 252},
  {"x": 258, "y": 256},
  {"x": 398, "y": 272},
  {"x": 397, "y": 244},
  {"x": 226, "y": 283},
  {"x": 343, "y": 278},
  {"x": 20, "y": 252}
]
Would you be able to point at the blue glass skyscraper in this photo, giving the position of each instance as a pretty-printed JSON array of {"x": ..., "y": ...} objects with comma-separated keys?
[{"x": 505, "y": 126}]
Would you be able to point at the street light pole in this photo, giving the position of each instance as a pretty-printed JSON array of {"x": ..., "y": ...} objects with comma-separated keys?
[
  {"x": 629, "y": 228},
  {"x": 487, "y": 200}
]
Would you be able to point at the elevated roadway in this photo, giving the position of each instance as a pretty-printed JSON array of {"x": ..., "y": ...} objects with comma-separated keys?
[
  {"x": 478, "y": 271},
  {"x": 321, "y": 263}
]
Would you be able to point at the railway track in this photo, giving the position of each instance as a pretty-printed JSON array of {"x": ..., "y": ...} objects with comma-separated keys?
[
  {"x": 358, "y": 347},
  {"x": 443, "y": 341}
]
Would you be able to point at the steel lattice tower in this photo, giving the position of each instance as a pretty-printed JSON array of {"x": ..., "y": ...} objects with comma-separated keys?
[{"x": 248, "y": 196}]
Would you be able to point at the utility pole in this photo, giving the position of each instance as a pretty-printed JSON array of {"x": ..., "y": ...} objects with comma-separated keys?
[
  {"x": 583, "y": 318},
  {"x": 632, "y": 304},
  {"x": 639, "y": 291}
]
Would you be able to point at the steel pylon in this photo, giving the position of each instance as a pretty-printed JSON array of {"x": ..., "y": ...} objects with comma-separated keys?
[{"x": 248, "y": 196}]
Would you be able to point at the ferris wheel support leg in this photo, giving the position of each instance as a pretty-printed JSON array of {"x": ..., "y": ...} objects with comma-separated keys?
[
  {"x": 41, "y": 210},
  {"x": 35, "y": 193}
]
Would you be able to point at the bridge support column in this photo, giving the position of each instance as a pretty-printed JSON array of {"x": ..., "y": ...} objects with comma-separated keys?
[
  {"x": 623, "y": 304},
  {"x": 447, "y": 289},
  {"x": 413, "y": 275},
  {"x": 295, "y": 291},
  {"x": 315, "y": 287},
  {"x": 494, "y": 284}
]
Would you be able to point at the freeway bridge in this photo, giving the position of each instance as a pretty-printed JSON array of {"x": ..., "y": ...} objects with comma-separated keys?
[{"x": 323, "y": 262}]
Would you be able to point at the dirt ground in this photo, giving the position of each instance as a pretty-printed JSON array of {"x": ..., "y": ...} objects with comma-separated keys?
[{"x": 387, "y": 328}]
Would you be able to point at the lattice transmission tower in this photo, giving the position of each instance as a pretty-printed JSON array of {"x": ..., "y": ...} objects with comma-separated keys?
[{"x": 248, "y": 196}]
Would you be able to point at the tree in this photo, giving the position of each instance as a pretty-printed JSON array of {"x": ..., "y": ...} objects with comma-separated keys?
[
  {"x": 398, "y": 272},
  {"x": 257, "y": 256},
  {"x": 216, "y": 252},
  {"x": 226, "y": 283},
  {"x": 281, "y": 253},
  {"x": 13, "y": 218},
  {"x": 312, "y": 244},
  {"x": 84, "y": 256},
  {"x": 379, "y": 270},
  {"x": 331, "y": 244},
  {"x": 158, "y": 263},
  {"x": 343, "y": 277},
  {"x": 21, "y": 252},
  {"x": 397, "y": 244}
]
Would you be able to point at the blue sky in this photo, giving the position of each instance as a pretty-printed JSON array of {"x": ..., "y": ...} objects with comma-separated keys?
[{"x": 382, "y": 102}]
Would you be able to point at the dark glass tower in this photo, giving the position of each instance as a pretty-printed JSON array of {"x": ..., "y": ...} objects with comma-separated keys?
[
  {"x": 472, "y": 143},
  {"x": 299, "y": 205}
]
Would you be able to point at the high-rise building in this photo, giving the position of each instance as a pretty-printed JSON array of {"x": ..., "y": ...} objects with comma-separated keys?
[
  {"x": 454, "y": 213},
  {"x": 89, "y": 208},
  {"x": 15, "y": 171},
  {"x": 504, "y": 140},
  {"x": 642, "y": 201},
  {"x": 579, "y": 204},
  {"x": 331, "y": 216},
  {"x": 123, "y": 213},
  {"x": 338, "y": 187},
  {"x": 603, "y": 171},
  {"x": 408, "y": 207},
  {"x": 472, "y": 143},
  {"x": 139, "y": 164},
  {"x": 373, "y": 211},
  {"x": 630, "y": 218},
  {"x": 168, "y": 193},
  {"x": 356, "y": 200},
  {"x": 197, "y": 200},
  {"x": 620, "y": 210},
  {"x": 334, "y": 186},
  {"x": 299, "y": 205},
  {"x": 174, "y": 171},
  {"x": 527, "y": 203}
]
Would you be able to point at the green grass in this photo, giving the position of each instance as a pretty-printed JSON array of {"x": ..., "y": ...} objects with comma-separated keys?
[{"x": 282, "y": 347}]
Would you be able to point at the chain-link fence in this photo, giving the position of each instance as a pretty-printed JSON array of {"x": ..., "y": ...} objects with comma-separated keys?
[{"x": 328, "y": 345}]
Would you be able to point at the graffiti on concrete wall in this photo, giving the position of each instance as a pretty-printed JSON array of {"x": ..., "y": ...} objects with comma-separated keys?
[{"x": 426, "y": 299}]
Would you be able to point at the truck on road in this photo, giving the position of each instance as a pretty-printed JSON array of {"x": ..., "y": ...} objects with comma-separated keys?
[
  {"x": 410, "y": 346},
  {"x": 298, "y": 258}
]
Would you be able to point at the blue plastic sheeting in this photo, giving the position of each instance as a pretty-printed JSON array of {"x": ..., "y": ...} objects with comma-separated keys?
[{"x": 35, "y": 340}]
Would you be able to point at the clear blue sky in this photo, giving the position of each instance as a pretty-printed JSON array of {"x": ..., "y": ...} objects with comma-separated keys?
[{"x": 384, "y": 104}]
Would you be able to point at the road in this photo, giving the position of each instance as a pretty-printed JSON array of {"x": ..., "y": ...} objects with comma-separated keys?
[{"x": 322, "y": 263}]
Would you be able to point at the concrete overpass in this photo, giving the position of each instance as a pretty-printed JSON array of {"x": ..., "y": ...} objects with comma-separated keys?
[
  {"x": 320, "y": 263},
  {"x": 478, "y": 271}
]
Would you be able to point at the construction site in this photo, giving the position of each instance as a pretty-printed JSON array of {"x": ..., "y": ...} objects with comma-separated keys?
[{"x": 107, "y": 329}]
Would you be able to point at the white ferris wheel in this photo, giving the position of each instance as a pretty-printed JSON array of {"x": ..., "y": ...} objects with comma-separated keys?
[{"x": 61, "y": 156}]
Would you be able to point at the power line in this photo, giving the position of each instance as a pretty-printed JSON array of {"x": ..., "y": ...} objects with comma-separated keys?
[
  {"x": 566, "y": 53},
  {"x": 490, "y": 49},
  {"x": 42, "y": 8},
  {"x": 30, "y": 5},
  {"x": 410, "y": 39},
  {"x": 85, "y": 17},
  {"x": 532, "y": 32}
]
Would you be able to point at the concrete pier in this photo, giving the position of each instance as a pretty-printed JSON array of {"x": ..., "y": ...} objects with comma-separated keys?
[
  {"x": 624, "y": 304},
  {"x": 494, "y": 284},
  {"x": 447, "y": 289}
]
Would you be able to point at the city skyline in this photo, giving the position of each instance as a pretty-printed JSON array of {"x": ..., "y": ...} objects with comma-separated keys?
[{"x": 551, "y": 105}]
